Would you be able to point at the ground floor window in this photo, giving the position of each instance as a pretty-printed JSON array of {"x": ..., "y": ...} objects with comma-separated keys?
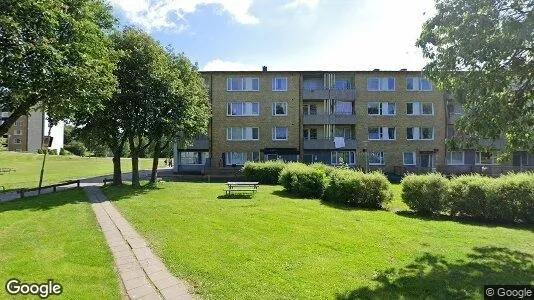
[
  {"x": 193, "y": 158},
  {"x": 271, "y": 156},
  {"x": 408, "y": 158},
  {"x": 455, "y": 158},
  {"x": 236, "y": 158},
  {"x": 376, "y": 158},
  {"x": 485, "y": 158},
  {"x": 343, "y": 157}
]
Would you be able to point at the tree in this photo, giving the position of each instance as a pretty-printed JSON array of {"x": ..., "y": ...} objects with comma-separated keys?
[
  {"x": 183, "y": 110},
  {"x": 56, "y": 55},
  {"x": 481, "y": 51}
]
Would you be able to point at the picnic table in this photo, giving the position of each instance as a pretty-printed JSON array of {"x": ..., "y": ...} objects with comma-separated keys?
[{"x": 241, "y": 187}]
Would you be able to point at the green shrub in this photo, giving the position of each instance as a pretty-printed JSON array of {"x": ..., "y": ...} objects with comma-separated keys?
[
  {"x": 76, "y": 148},
  {"x": 263, "y": 172},
  {"x": 425, "y": 193},
  {"x": 52, "y": 151},
  {"x": 470, "y": 195},
  {"x": 325, "y": 168},
  {"x": 514, "y": 198},
  {"x": 302, "y": 180},
  {"x": 355, "y": 188}
]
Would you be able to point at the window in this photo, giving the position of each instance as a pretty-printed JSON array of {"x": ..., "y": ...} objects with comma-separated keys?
[
  {"x": 242, "y": 133},
  {"x": 420, "y": 133},
  {"x": 313, "y": 84},
  {"x": 271, "y": 156},
  {"x": 455, "y": 158},
  {"x": 342, "y": 84},
  {"x": 18, "y": 123},
  {"x": 343, "y": 108},
  {"x": 255, "y": 156},
  {"x": 343, "y": 157},
  {"x": 381, "y": 84},
  {"x": 193, "y": 158},
  {"x": 310, "y": 134},
  {"x": 418, "y": 84},
  {"x": 376, "y": 158},
  {"x": 243, "y": 84},
  {"x": 408, "y": 158},
  {"x": 310, "y": 109},
  {"x": 427, "y": 133},
  {"x": 17, "y": 132},
  {"x": 17, "y": 141},
  {"x": 344, "y": 132},
  {"x": 280, "y": 84},
  {"x": 381, "y": 108},
  {"x": 280, "y": 134},
  {"x": 236, "y": 158},
  {"x": 484, "y": 158},
  {"x": 243, "y": 109},
  {"x": 280, "y": 109},
  {"x": 382, "y": 133},
  {"x": 419, "y": 108}
]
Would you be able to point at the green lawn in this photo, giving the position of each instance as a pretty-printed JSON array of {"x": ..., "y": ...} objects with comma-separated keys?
[
  {"x": 56, "y": 236},
  {"x": 58, "y": 168},
  {"x": 279, "y": 247}
]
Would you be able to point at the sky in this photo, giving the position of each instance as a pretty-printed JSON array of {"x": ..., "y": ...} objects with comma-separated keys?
[{"x": 239, "y": 35}]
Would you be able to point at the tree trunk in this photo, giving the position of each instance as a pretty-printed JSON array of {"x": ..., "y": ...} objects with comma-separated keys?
[
  {"x": 157, "y": 150},
  {"x": 117, "y": 172},
  {"x": 135, "y": 163}
]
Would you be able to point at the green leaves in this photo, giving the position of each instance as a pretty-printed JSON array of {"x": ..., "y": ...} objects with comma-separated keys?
[{"x": 482, "y": 52}]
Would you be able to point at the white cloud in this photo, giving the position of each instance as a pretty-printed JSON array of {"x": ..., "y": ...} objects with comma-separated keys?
[
  {"x": 156, "y": 14},
  {"x": 226, "y": 65},
  {"x": 311, "y": 4}
]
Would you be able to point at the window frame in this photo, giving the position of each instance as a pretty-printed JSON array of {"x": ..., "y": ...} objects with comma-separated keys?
[
  {"x": 229, "y": 87},
  {"x": 243, "y": 105},
  {"x": 335, "y": 154},
  {"x": 228, "y": 157},
  {"x": 421, "y": 134},
  {"x": 421, "y": 108},
  {"x": 414, "y": 158},
  {"x": 478, "y": 158},
  {"x": 449, "y": 158},
  {"x": 380, "y": 83},
  {"x": 229, "y": 133},
  {"x": 274, "y": 89},
  {"x": 274, "y": 133},
  {"x": 273, "y": 109},
  {"x": 381, "y": 156},
  {"x": 379, "y": 133}
]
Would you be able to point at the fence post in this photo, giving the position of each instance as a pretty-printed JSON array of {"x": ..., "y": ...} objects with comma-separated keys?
[{"x": 78, "y": 183}]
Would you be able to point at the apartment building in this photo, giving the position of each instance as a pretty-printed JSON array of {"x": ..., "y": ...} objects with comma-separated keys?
[
  {"x": 395, "y": 121},
  {"x": 27, "y": 132}
]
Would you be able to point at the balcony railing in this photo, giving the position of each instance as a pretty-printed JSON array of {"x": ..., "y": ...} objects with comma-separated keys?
[
  {"x": 340, "y": 119},
  {"x": 338, "y": 94},
  {"x": 328, "y": 144}
]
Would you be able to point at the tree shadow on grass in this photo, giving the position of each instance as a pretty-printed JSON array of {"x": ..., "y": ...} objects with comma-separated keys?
[
  {"x": 44, "y": 201},
  {"x": 465, "y": 220},
  {"x": 285, "y": 194},
  {"x": 433, "y": 277},
  {"x": 235, "y": 196},
  {"x": 348, "y": 207}
]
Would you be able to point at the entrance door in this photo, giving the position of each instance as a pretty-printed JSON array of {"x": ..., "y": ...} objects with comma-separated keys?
[{"x": 426, "y": 160}]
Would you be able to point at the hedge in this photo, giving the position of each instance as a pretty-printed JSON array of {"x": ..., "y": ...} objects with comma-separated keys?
[
  {"x": 425, "y": 194},
  {"x": 263, "y": 172},
  {"x": 509, "y": 198},
  {"x": 325, "y": 168},
  {"x": 303, "y": 180},
  {"x": 355, "y": 188}
]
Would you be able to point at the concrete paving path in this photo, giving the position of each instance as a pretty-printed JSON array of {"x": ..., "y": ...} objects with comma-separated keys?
[{"x": 142, "y": 273}]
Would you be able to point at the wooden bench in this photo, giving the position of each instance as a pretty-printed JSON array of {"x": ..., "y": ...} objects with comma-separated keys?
[{"x": 241, "y": 187}]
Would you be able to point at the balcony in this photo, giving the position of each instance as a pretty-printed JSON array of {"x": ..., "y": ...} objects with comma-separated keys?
[
  {"x": 328, "y": 144},
  {"x": 320, "y": 94},
  {"x": 312, "y": 94},
  {"x": 200, "y": 143},
  {"x": 339, "y": 119},
  {"x": 343, "y": 94}
]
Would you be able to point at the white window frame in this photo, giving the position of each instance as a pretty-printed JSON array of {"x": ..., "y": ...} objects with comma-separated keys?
[
  {"x": 379, "y": 133},
  {"x": 17, "y": 141},
  {"x": 417, "y": 85},
  {"x": 307, "y": 133},
  {"x": 229, "y": 162},
  {"x": 244, "y": 81},
  {"x": 17, "y": 132},
  {"x": 414, "y": 158},
  {"x": 381, "y": 84},
  {"x": 422, "y": 110},
  {"x": 449, "y": 158},
  {"x": 274, "y": 133},
  {"x": 274, "y": 84},
  {"x": 419, "y": 110},
  {"x": 381, "y": 155},
  {"x": 243, "y": 110},
  {"x": 255, "y": 156},
  {"x": 421, "y": 134},
  {"x": 273, "y": 108},
  {"x": 369, "y": 104},
  {"x": 478, "y": 158},
  {"x": 334, "y": 157},
  {"x": 195, "y": 152},
  {"x": 306, "y": 109},
  {"x": 268, "y": 156},
  {"x": 244, "y": 130}
]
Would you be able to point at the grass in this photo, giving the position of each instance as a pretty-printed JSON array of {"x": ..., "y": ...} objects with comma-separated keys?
[
  {"x": 57, "y": 169},
  {"x": 56, "y": 236},
  {"x": 274, "y": 246}
]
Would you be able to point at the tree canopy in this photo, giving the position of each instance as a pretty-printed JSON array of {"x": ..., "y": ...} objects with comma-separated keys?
[
  {"x": 56, "y": 55},
  {"x": 481, "y": 52}
]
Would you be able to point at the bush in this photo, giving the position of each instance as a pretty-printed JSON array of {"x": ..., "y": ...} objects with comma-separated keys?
[
  {"x": 325, "y": 168},
  {"x": 52, "y": 151},
  {"x": 470, "y": 195},
  {"x": 303, "y": 180},
  {"x": 425, "y": 193},
  {"x": 514, "y": 198},
  {"x": 355, "y": 188},
  {"x": 76, "y": 148},
  {"x": 264, "y": 172}
]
